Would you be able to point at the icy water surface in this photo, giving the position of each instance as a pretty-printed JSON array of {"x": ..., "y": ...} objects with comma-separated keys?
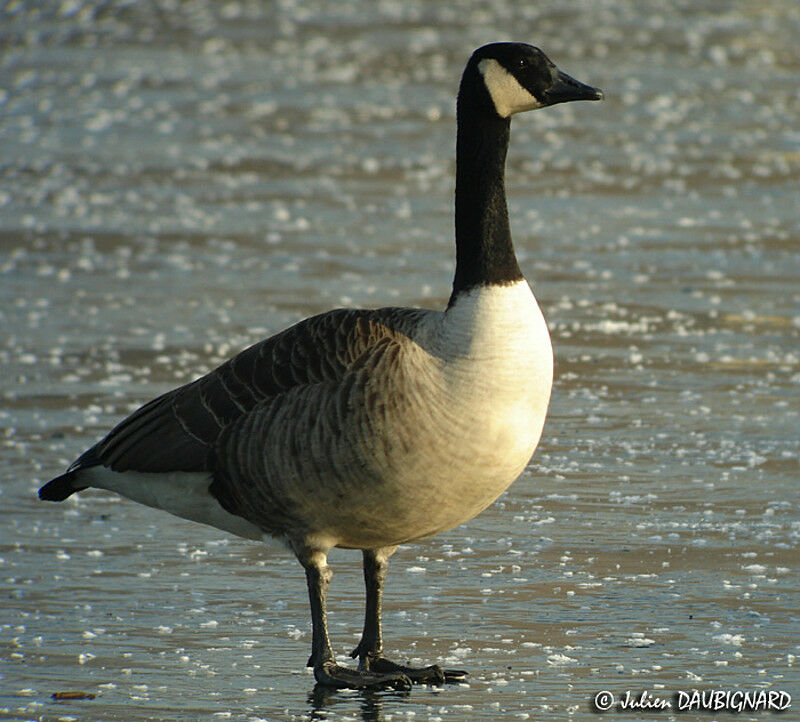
[{"x": 178, "y": 180}]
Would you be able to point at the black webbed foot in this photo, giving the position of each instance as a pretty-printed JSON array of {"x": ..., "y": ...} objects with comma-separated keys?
[
  {"x": 433, "y": 674},
  {"x": 330, "y": 674}
]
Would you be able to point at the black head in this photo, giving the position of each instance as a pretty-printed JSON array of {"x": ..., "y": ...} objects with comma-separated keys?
[{"x": 520, "y": 77}]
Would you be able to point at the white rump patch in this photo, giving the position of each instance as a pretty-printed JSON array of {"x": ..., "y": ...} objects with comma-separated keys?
[
  {"x": 182, "y": 493},
  {"x": 508, "y": 95}
]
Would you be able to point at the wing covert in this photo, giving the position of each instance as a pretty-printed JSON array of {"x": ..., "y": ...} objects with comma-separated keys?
[{"x": 177, "y": 430}]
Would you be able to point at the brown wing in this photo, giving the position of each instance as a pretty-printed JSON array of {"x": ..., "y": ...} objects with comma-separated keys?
[{"x": 176, "y": 431}]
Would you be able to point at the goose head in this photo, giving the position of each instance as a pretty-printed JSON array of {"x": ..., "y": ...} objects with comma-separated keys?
[{"x": 518, "y": 77}]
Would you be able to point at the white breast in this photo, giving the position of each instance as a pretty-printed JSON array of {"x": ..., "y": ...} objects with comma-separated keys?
[
  {"x": 500, "y": 369},
  {"x": 483, "y": 410}
]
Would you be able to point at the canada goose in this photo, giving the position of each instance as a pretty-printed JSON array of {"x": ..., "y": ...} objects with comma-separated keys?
[{"x": 366, "y": 429}]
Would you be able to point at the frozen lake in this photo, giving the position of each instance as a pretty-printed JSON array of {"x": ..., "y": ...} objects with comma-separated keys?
[{"x": 179, "y": 180}]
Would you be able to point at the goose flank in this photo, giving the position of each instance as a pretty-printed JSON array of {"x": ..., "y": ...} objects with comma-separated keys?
[{"x": 366, "y": 429}]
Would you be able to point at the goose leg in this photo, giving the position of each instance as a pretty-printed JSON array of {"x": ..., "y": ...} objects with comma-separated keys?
[
  {"x": 326, "y": 671},
  {"x": 370, "y": 649}
]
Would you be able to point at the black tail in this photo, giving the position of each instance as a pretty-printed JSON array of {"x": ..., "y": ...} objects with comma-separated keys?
[
  {"x": 60, "y": 488},
  {"x": 67, "y": 484}
]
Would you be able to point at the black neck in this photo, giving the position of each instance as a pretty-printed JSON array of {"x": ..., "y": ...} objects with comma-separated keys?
[{"x": 484, "y": 252}]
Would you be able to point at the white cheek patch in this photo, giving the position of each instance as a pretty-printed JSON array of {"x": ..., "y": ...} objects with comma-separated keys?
[{"x": 508, "y": 95}]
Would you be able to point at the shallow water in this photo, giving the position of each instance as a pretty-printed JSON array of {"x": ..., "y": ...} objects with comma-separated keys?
[{"x": 178, "y": 181}]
